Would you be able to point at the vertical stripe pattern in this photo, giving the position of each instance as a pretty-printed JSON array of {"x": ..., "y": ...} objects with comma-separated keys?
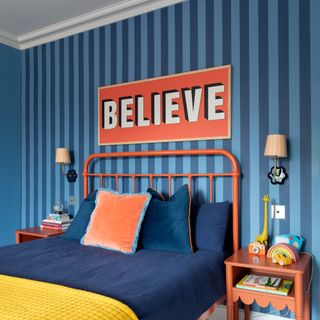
[{"x": 273, "y": 48}]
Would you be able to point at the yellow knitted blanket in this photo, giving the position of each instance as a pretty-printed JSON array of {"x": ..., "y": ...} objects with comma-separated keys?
[{"x": 23, "y": 299}]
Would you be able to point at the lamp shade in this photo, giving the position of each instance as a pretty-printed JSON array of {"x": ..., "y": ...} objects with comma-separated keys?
[
  {"x": 276, "y": 146},
  {"x": 62, "y": 156}
]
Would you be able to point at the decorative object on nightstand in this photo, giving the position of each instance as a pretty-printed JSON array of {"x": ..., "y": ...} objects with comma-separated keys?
[
  {"x": 276, "y": 147},
  {"x": 63, "y": 158},
  {"x": 263, "y": 236},
  {"x": 283, "y": 253},
  {"x": 295, "y": 241},
  {"x": 281, "y": 259},
  {"x": 58, "y": 207},
  {"x": 256, "y": 247},
  {"x": 261, "y": 244}
]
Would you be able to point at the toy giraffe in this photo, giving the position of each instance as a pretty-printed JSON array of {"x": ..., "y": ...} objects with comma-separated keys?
[{"x": 263, "y": 237}]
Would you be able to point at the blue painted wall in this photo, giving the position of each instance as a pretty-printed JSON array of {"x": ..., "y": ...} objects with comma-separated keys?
[
  {"x": 274, "y": 49},
  {"x": 10, "y": 124}
]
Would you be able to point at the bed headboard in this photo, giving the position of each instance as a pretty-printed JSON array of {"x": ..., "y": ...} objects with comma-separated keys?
[{"x": 234, "y": 174}]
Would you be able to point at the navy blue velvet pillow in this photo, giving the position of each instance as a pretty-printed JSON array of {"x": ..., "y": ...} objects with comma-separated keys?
[
  {"x": 211, "y": 225},
  {"x": 79, "y": 225},
  {"x": 166, "y": 224}
]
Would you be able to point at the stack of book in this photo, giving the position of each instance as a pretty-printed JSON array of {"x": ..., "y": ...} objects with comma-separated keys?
[
  {"x": 265, "y": 284},
  {"x": 59, "y": 222}
]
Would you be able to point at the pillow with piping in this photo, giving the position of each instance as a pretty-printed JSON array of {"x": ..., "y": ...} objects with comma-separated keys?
[
  {"x": 167, "y": 222},
  {"x": 116, "y": 220}
]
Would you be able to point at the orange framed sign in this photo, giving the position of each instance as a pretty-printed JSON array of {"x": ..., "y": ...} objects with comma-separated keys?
[{"x": 187, "y": 106}]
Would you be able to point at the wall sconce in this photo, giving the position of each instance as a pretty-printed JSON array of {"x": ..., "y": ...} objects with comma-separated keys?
[
  {"x": 63, "y": 158},
  {"x": 276, "y": 147}
]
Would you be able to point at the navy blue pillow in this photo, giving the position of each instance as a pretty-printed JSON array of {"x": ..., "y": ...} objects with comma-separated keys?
[
  {"x": 211, "y": 225},
  {"x": 166, "y": 224},
  {"x": 79, "y": 225}
]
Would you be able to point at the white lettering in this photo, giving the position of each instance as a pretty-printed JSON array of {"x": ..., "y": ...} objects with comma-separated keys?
[
  {"x": 109, "y": 114},
  {"x": 125, "y": 112},
  {"x": 213, "y": 101},
  {"x": 156, "y": 109},
  {"x": 141, "y": 120},
  {"x": 170, "y": 107},
  {"x": 192, "y": 100},
  {"x": 165, "y": 107}
]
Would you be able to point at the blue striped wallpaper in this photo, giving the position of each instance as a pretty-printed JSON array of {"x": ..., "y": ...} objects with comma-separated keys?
[
  {"x": 10, "y": 87},
  {"x": 274, "y": 49}
]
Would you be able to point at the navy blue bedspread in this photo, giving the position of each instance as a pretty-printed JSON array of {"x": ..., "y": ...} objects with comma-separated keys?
[{"x": 157, "y": 285}]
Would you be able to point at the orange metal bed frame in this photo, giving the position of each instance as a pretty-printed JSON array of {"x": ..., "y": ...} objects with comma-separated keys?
[{"x": 234, "y": 174}]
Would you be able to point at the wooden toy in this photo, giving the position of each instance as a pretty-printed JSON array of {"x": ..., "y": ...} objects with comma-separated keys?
[
  {"x": 282, "y": 253},
  {"x": 263, "y": 237},
  {"x": 257, "y": 248},
  {"x": 281, "y": 259}
]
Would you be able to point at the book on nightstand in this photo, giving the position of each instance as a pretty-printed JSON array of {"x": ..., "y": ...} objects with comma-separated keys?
[
  {"x": 265, "y": 284},
  {"x": 59, "y": 222}
]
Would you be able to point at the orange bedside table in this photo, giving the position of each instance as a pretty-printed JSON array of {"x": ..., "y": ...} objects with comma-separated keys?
[
  {"x": 242, "y": 263},
  {"x": 29, "y": 234}
]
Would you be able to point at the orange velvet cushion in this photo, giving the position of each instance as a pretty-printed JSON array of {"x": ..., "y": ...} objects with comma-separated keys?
[{"x": 116, "y": 220}]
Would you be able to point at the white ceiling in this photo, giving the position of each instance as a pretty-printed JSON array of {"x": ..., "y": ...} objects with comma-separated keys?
[{"x": 27, "y": 23}]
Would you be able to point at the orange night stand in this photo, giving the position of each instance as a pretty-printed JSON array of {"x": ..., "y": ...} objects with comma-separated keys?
[
  {"x": 29, "y": 234},
  {"x": 242, "y": 263}
]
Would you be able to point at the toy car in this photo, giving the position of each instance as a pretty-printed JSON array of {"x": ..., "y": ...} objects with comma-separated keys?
[{"x": 281, "y": 259}]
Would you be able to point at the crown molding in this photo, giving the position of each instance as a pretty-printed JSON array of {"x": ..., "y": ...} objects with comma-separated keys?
[
  {"x": 9, "y": 39},
  {"x": 94, "y": 19}
]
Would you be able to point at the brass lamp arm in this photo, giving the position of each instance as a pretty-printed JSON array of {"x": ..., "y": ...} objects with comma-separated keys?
[{"x": 62, "y": 169}]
